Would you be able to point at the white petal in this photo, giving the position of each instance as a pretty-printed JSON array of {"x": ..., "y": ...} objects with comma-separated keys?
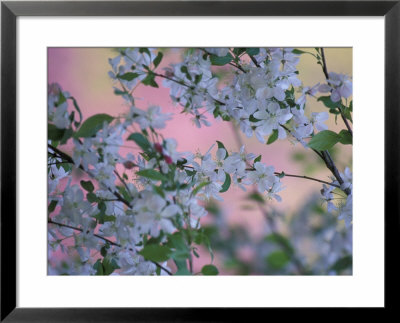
[
  {"x": 221, "y": 153},
  {"x": 170, "y": 211}
]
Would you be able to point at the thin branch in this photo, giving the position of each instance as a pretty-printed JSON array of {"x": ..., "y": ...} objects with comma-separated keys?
[
  {"x": 122, "y": 181},
  {"x": 238, "y": 67},
  {"x": 253, "y": 60},
  {"x": 173, "y": 80},
  {"x": 324, "y": 67},
  {"x": 69, "y": 159},
  {"x": 345, "y": 121},
  {"x": 325, "y": 70},
  {"x": 106, "y": 240},
  {"x": 308, "y": 177},
  {"x": 240, "y": 143}
]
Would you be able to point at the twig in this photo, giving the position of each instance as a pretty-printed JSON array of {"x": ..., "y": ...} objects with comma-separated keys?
[
  {"x": 240, "y": 143},
  {"x": 307, "y": 177},
  {"x": 345, "y": 121},
  {"x": 69, "y": 159},
  {"x": 325, "y": 70},
  {"x": 122, "y": 181},
  {"x": 106, "y": 240},
  {"x": 253, "y": 60}
]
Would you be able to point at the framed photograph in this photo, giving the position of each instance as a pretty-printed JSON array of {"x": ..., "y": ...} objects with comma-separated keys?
[{"x": 200, "y": 155}]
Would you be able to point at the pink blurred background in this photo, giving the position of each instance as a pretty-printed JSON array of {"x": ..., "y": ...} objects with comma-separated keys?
[{"x": 83, "y": 73}]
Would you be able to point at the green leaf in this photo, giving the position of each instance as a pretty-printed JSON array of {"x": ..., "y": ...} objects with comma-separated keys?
[
  {"x": 88, "y": 186},
  {"x": 177, "y": 243},
  {"x": 273, "y": 137},
  {"x": 109, "y": 266},
  {"x": 253, "y": 51},
  {"x": 342, "y": 264},
  {"x": 253, "y": 119},
  {"x": 103, "y": 250},
  {"x": 195, "y": 253},
  {"x": 278, "y": 259},
  {"x": 91, "y": 197},
  {"x": 124, "y": 192},
  {"x": 258, "y": 159},
  {"x": 158, "y": 59},
  {"x": 140, "y": 140},
  {"x": 201, "y": 238},
  {"x": 281, "y": 241},
  {"x": 237, "y": 51},
  {"x": 119, "y": 92},
  {"x": 226, "y": 184},
  {"x": 209, "y": 270},
  {"x": 98, "y": 266},
  {"x": 199, "y": 187},
  {"x": 220, "y": 60},
  {"x": 184, "y": 69},
  {"x": 92, "y": 125},
  {"x": 151, "y": 174},
  {"x": 183, "y": 272},
  {"x": 159, "y": 191},
  {"x": 298, "y": 51},
  {"x": 198, "y": 78},
  {"x": 54, "y": 133},
  {"x": 130, "y": 76},
  {"x": 255, "y": 196},
  {"x": 52, "y": 206},
  {"x": 326, "y": 100},
  {"x": 76, "y": 106},
  {"x": 347, "y": 112},
  {"x": 149, "y": 80},
  {"x": 334, "y": 111},
  {"x": 67, "y": 134},
  {"x": 346, "y": 137},
  {"x": 61, "y": 99},
  {"x": 182, "y": 268},
  {"x": 145, "y": 50},
  {"x": 324, "y": 140},
  {"x": 102, "y": 218},
  {"x": 155, "y": 252}
]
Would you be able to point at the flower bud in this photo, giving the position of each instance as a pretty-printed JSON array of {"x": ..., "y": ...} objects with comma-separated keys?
[
  {"x": 128, "y": 164},
  {"x": 158, "y": 148},
  {"x": 168, "y": 159}
]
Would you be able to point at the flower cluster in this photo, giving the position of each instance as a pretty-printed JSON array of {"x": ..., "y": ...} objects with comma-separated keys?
[
  {"x": 345, "y": 208},
  {"x": 139, "y": 210},
  {"x": 161, "y": 189}
]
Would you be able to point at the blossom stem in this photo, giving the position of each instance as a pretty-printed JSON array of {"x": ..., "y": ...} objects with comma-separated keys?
[{"x": 106, "y": 240}]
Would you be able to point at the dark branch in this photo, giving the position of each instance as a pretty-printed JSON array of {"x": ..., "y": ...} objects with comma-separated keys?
[
  {"x": 106, "y": 240},
  {"x": 68, "y": 159}
]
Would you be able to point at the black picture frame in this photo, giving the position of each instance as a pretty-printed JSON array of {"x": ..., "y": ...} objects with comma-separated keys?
[{"x": 11, "y": 10}]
